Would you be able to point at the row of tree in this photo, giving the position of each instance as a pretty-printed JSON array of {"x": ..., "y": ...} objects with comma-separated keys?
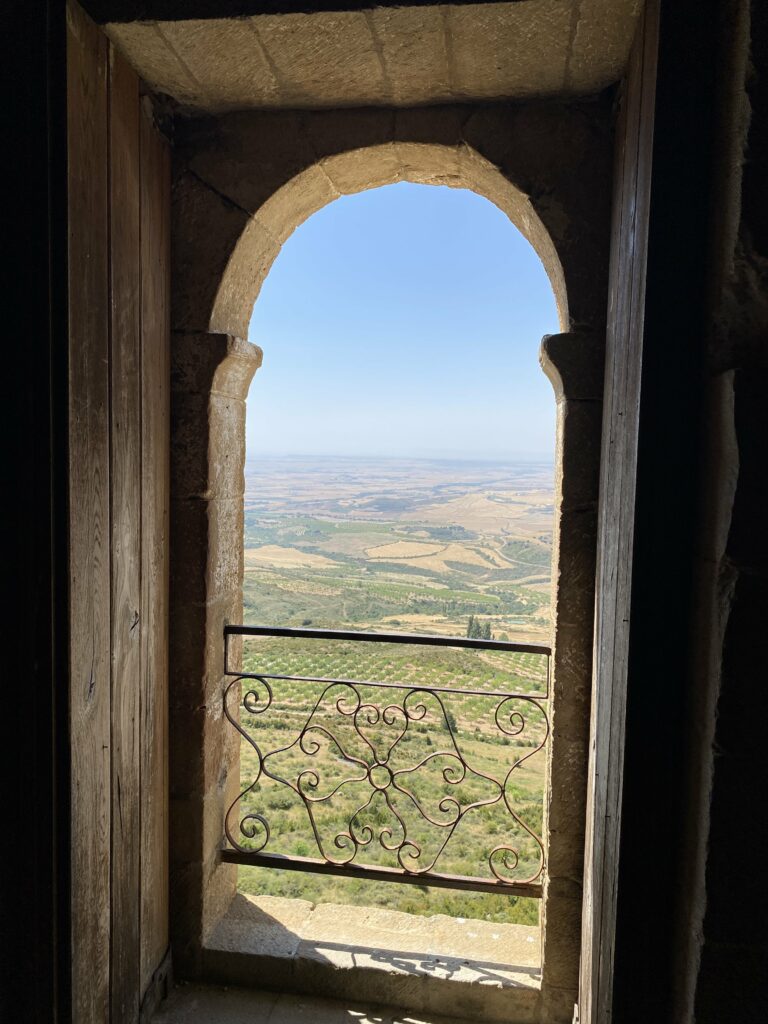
[{"x": 478, "y": 630}]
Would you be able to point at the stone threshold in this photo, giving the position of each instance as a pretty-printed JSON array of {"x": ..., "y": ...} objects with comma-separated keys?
[
  {"x": 208, "y": 1004},
  {"x": 441, "y": 965}
]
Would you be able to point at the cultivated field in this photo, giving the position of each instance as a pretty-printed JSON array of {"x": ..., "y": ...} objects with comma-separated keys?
[{"x": 412, "y": 547}]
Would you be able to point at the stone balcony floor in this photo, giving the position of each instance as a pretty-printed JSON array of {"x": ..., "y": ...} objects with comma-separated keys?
[
  {"x": 195, "y": 1004},
  {"x": 433, "y": 965}
]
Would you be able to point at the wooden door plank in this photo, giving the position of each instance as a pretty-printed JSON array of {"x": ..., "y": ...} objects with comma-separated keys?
[
  {"x": 89, "y": 515},
  {"x": 155, "y": 390},
  {"x": 617, "y": 509},
  {"x": 127, "y": 618},
  {"x": 610, "y": 501},
  {"x": 640, "y": 134}
]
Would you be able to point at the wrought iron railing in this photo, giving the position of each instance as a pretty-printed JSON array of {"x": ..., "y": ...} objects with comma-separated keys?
[{"x": 379, "y": 776}]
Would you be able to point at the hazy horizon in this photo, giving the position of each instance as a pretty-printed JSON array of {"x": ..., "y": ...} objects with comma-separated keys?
[{"x": 511, "y": 460}]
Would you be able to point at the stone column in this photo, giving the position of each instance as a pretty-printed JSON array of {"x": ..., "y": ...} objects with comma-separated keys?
[
  {"x": 210, "y": 376},
  {"x": 574, "y": 365}
]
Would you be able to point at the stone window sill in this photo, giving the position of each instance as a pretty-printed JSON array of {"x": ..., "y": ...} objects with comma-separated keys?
[{"x": 438, "y": 964}]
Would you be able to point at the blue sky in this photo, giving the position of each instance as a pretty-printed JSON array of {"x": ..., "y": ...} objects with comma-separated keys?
[{"x": 405, "y": 320}]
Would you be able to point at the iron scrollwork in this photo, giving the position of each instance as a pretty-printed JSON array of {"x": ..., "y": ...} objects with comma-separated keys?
[{"x": 351, "y": 753}]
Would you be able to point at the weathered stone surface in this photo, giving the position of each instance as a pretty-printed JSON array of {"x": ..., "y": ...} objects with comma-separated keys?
[
  {"x": 603, "y": 37},
  {"x": 290, "y": 206},
  {"x": 200, "y": 217},
  {"x": 268, "y": 926},
  {"x": 233, "y": 375},
  {"x": 192, "y": 1004},
  {"x": 246, "y": 270},
  {"x": 202, "y": 362},
  {"x": 190, "y": 534},
  {"x": 421, "y": 992},
  {"x": 567, "y": 797},
  {"x": 576, "y": 569},
  {"x": 415, "y": 53},
  {"x": 575, "y": 364},
  {"x": 226, "y": 967},
  {"x": 187, "y": 748},
  {"x": 190, "y": 434},
  {"x": 573, "y": 670},
  {"x": 211, "y": 374},
  {"x": 203, "y": 581},
  {"x": 196, "y": 1004},
  {"x": 361, "y": 169},
  {"x": 437, "y": 126},
  {"x": 312, "y": 1010},
  {"x": 200, "y": 741},
  {"x": 228, "y": 58},
  {"x": 219, "y": 882},
  {"x": 197, "y": 827},
  {"x": 146, "y": 48},
  {"x": 247, "y": 156},
  {"x": 562, "y": 959},
  {"x": 580, "y": 454},
  {"x": 225, "y": 565},
  {"x": 186, "y": 881},
  {"x": 502, "y": 50},
  {"x": 401, "y": 55},
  {"x": 226, "y": 445},
  {"x": 386, "y": 956},
  {"x": 428, "y": 164},
  {"x": 557, "y": 1005},
  {"x": 323, "y": 61},
  {"x": 330, "y": 132},
  {"x": 437, "y": 936}
]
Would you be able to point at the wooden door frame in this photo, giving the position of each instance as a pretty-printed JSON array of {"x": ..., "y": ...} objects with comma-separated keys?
[{"x": 619, "y": 456}]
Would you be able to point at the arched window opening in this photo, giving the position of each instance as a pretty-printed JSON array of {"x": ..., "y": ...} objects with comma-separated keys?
[{"x": 399, "y": 479}]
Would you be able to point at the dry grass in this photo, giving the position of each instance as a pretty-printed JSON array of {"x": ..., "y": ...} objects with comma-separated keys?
[
  {"x": 404, "y": 549},
  {"x": 275, "y": 556},
  {"x": 430, "y": 556},
  {"x": 525, "y": 515}
]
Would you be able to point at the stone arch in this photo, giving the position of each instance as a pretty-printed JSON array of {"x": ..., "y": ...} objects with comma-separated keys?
[
  {"x": 354, "y": 171},
  {"x": 243, "y": 183}
]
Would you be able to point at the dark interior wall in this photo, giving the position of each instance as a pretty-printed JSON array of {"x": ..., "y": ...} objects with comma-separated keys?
[
  {"x": 118, "y": 381},
  {"x": 732, "y": 982},
  {"x": 691, "y": 900}
]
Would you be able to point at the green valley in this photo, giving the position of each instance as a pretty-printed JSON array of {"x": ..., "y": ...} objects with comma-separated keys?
[{"x": 398, "y": 546}]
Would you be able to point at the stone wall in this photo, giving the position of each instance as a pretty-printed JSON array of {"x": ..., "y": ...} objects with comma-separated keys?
[
  {"x": 732, "y": 776},
  {"x": 242, "y": 183}
]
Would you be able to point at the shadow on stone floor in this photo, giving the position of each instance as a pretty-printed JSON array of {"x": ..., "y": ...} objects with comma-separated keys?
[{"x": 273, "y": 929}]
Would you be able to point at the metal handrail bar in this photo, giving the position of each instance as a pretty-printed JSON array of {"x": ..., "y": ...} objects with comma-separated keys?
[
  {"x": 432, "y": 880},
  {"x": 423, "y": 639},
  {"x": 455, "y": 691}
]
